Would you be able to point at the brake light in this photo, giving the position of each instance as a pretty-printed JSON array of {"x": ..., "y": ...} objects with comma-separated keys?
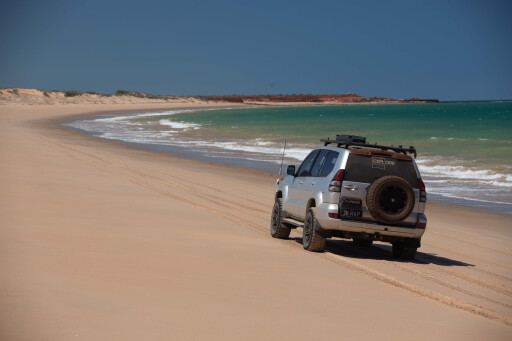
[
  {"x": 422, "y": 225},
  {"x": 423, "y": 192},
  {"x": 422, "y": 185},
  {"x": 339, "y": 176},
  {"x": 335, "y": 185}
]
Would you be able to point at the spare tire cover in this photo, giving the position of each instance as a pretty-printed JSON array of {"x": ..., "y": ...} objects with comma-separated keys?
[{"x": 390, "y": 199}]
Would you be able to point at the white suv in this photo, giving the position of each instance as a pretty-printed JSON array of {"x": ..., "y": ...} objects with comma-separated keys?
[{"x": 353, "y": 190}]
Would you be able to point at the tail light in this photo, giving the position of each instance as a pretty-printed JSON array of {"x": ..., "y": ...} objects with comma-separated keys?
[
  {"x": 423, "y": 192},
  {"x": 335, "y": 185}
]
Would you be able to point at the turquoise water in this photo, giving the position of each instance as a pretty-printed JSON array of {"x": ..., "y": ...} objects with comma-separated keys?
[
  {"x": 479, "y": 131},
  {"x": 464, "y": 149}
]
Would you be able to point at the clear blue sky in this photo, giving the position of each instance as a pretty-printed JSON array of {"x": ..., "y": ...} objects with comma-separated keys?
[{"x": 451, "y": 50}]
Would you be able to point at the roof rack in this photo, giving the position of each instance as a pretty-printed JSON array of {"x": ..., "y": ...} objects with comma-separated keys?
[{"x": 359, "y": 141}]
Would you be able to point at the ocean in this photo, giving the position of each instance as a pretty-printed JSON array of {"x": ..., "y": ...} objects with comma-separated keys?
[{"x": 464, "y": 148}]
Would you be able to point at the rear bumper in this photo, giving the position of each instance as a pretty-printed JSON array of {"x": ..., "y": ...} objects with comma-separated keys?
[{"x": 367, "y": 227}]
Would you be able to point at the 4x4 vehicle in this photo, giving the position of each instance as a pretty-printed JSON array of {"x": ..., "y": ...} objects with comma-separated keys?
[{"x": 354, "y": 190}]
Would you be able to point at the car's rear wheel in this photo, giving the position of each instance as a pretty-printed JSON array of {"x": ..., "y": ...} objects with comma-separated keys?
[
  {"x": 311, "y": 238},
  {"x": 390, "y": 199},
  {"x": 278, "y": 229},
  {"x": 404, "y": 251}
]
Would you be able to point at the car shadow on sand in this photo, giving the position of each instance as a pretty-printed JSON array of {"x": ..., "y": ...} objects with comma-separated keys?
[{"x": 346, "y": 248}]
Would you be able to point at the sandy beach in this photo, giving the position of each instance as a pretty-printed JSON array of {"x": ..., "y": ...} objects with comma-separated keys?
[{"x": 100, "y": 241}]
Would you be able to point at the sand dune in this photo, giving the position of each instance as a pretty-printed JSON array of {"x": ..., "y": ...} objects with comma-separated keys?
[
  {"x": 102, "y": 241},
  {"x": 20, "y": 96}
]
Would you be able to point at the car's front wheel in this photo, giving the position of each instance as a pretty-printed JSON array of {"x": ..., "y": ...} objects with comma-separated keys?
[
  {"x": 311, "y": 238},
  {"x": 278, "y": 229}
]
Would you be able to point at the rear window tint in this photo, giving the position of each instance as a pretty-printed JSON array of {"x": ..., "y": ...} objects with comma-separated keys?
[{"x": 367, "y": 169}]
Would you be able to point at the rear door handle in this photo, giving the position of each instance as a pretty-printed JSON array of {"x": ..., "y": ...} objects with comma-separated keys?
[
  {"x": 313, "y": 183},
  {"x": 351, "y": 187},
  {"x": 301, "y": 182}
]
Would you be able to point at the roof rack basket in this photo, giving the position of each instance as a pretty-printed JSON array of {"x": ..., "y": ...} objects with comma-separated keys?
[{"x": 359, "y": 141}]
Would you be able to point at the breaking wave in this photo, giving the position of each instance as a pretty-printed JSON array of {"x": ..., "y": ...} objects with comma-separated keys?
[{"x": 445, "y": 176}]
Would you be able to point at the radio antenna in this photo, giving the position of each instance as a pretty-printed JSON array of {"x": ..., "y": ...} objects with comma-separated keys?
[{"x": 282, "y": 159}]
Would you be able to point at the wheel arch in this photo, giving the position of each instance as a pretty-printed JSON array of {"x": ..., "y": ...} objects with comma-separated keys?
[
  {"x": 311, "y": 203},
  {"x": 279, "y": 194}
]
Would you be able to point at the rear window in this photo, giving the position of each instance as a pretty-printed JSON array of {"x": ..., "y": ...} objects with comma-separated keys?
[{"x": 367, "y": 169}]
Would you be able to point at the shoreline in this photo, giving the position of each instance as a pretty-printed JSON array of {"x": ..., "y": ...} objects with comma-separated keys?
[
  {"x": 58, "y": 123},
  {"x": 500, "y": 208},
  {"x": 104, "y": 241}
]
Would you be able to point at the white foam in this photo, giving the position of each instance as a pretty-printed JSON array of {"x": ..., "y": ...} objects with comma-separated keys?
[
  {"x": 461, "y": 172},
  {"x": 446, "y": 176},
  {"x": 135, "y": 116},
  {"x": 501, "y": 184},
  {"x": 260, "y": 142},
  {"x": 449, "y": 195},
  {"x": 257, "y": 147},
  {"x": 179, "y": 125}
]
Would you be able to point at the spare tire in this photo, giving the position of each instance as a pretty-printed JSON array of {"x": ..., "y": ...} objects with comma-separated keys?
[{"x": 390, "y": 199}]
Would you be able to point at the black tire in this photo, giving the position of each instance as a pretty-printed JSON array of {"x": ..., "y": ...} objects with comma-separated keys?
[
  {"x": 278, "y": 229},
  {"x": 403, "y": 251},
  {"x": 409, "y": 252},
  {"x": 362, "y": 242},
  {"x": 390, "y": 199},
  {"x": 398, "y": 249},
  {"x": 311, "y": 239}
]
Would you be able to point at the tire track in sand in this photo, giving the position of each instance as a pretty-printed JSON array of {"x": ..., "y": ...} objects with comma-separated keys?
[
  {"x": 448, "y": 251},
  {"x": 422, "y": 272},
  {"x": 394, "y": 282},
  {"x": 134, "y": 178},
  {"x": 471, "y": 243},
  {"x": 502, "y": 289}
]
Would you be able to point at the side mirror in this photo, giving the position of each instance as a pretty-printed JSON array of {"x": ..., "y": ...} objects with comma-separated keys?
[{"x": 290, "y": 170}]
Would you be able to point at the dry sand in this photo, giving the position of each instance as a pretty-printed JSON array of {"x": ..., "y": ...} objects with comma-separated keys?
[{"x": 99, "y": 241}]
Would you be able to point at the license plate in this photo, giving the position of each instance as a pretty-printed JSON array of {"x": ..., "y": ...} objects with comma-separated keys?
[{"x": 351, "y": 213}]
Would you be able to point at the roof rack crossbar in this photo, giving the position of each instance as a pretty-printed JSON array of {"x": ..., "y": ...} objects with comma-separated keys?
[{"x": 400, "y": 149}]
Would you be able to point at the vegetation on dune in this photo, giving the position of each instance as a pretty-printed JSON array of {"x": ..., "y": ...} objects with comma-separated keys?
[
  {"x": 143, "y": 95},
  {"x": 72, "y": 93}
]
